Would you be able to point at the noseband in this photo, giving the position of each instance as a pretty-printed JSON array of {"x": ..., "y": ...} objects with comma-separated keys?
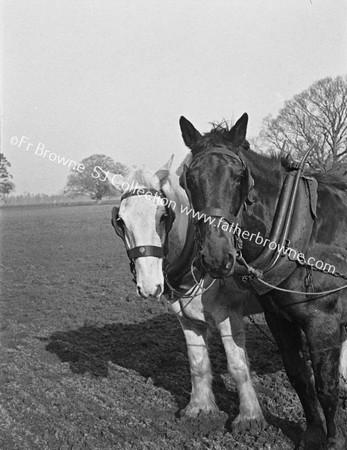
[{"x": 143, "y": 250}]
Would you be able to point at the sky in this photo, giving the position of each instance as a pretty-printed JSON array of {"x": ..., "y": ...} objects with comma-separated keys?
[{"x": 114, "y": 76}]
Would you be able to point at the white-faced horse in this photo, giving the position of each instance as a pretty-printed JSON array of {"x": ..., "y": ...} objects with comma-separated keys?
[{"x": 156, "y": 240}]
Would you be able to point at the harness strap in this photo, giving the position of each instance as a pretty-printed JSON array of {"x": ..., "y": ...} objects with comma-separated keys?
[
  {"x": 175, "y": 271},
  {"x": 218, "y": 212},
  {"x": 145, "y": 250},
  {"x": 142, "y": 191}
]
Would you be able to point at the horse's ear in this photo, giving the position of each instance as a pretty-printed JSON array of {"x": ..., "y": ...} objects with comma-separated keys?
[
  {"x": 237, "y": 134},
  {"x": 164, "y": 171},
  {"x": 190, "y": 134}
]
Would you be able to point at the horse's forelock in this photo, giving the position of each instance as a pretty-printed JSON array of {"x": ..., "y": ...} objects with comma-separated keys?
[
  {"x": 145, "y": 178},
  {"x": 219, "y": 135}
]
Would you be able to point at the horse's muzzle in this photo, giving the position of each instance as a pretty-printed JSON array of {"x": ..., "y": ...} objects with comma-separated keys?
[
  {"x": 156, "y": 293},
  {"x": 216, "y": 269}
]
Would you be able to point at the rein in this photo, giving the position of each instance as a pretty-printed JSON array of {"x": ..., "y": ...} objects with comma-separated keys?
[{"x": 258, "y": 275}]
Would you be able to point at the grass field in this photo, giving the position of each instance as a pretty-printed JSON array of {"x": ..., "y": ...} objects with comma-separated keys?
[{"x": 86, "y": 364}]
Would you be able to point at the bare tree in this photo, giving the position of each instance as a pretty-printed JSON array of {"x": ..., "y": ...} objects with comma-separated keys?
[{"x": 316, "y": 116}]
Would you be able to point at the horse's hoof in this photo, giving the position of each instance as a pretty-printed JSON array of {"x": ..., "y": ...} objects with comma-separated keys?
[
  {"x": 337, "y": 444},
  {"x": 193, "y": 411},
  {"x": 304, "y": 445},
  {"x": 243, "y": 424},
  {"x": 343, "y": 387},
  {"x": 314, "y": 438}
]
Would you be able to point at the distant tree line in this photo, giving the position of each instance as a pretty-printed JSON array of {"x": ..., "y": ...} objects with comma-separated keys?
[
  {"x": 317, "y": 116},
  {"x": 6, "y": 185}
]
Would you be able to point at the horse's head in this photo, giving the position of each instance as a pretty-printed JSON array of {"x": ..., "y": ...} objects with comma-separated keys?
[
  {"x": 218, "y": 183},
  {"x": 143, "y": 220}
]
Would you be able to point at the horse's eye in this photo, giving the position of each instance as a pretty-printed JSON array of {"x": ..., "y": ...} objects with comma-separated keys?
[
  {"x": 163, "y": 217},
  {"x": 233, "y": 161},
  {"x": 120, "y": 222}
]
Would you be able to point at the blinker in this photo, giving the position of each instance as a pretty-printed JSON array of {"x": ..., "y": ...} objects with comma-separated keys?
[{"x": 116, "y": 222}]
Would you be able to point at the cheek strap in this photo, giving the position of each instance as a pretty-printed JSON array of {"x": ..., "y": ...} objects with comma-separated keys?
[{"x": 217, "y": 212}]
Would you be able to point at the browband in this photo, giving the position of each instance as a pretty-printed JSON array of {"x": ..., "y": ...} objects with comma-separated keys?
[
  {"x": 135, "y": 192},
  {"x": 217, "y": 212}
]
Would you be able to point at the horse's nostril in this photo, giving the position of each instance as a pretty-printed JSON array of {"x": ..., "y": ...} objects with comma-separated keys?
[
  {"x": 140, "y": 293},
  {"x": 203, "y": 259},
  {"x": 159, "y": 290},
  {"x": 231, "y": 261}
]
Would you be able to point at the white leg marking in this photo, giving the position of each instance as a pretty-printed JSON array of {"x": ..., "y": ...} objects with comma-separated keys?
[
  {"x": 343, "y": 366},
  {"x": 238, "y": 368},
  {"x": 201, "y": 398}
]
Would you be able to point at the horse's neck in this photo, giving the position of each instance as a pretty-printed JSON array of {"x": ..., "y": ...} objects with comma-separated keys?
[
  {"x": 178, "y": 200},
  {"x": 259, "y": 216}
]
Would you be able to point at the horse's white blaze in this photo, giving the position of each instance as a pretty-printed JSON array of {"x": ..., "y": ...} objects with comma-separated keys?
[
  {"x": 149, "y": 276},
  {"x": 143, "y": 227}
]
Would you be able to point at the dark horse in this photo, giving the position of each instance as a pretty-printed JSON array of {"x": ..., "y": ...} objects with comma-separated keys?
[{"x": 250, "y": 197}]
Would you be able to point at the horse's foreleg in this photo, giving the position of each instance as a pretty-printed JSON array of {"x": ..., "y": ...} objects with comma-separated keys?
[
  {"x": 201, "y": 398},
  {"x": 289, "y": 340},
  {"x": 231, "y": 331},
  {"x": 324, "y": 339},
  {"x": 343, "y": 362}
]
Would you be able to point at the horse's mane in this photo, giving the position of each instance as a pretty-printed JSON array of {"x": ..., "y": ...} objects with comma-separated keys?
[
  {"x": 334, "y": 177},
  {"x": 219, "y": 135}
]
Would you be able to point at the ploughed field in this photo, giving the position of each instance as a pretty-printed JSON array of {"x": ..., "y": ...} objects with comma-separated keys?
[{"x": 86, "y": 364}]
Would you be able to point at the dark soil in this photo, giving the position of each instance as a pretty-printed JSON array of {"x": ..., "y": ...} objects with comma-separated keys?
[{"x": 86, "y": 364}]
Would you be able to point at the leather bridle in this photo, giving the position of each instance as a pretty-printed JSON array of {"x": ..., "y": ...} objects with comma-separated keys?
[
  {"x": 142, "y": 251},
  {"x": 219, "y": 212}
]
